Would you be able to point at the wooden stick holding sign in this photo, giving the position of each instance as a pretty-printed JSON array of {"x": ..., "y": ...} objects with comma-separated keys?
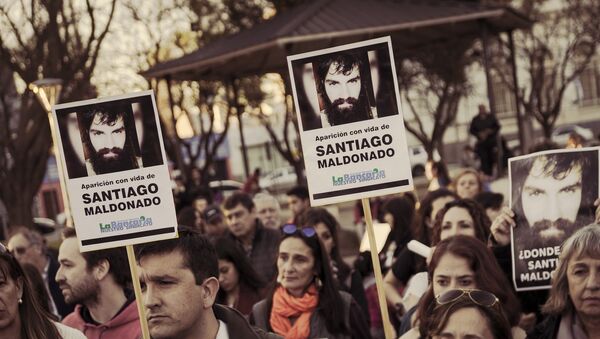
[
  {"x": 387, "y": 326},
  {"x": 138, "y": 291}
]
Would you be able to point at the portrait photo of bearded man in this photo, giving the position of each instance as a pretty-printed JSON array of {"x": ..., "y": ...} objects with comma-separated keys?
[
  {"x": 553, "y": 195},
  {"x": 109, "y": 138},
  {"x": 345, "y": 88}
]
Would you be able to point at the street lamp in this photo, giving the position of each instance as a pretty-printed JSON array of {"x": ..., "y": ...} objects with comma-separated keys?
[{"x": 48, "y": 91}]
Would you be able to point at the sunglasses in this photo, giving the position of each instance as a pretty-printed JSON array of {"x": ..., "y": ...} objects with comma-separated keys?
[
  {"x": 479, "y": 297},
  {"x": 290, "y": 229}
]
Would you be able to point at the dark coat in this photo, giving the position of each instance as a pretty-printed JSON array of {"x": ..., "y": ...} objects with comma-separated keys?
[
  {"x": 547, "y": 329},
  {"x": 238, "y": 326}
]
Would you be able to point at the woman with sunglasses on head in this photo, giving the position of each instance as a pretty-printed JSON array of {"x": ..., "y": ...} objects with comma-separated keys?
[
  {"x": 21, "y": 316},
  {"x": 457, "y": 217},
  {"x": 240, "y": 287},
  {"x": 467, "y": 313},
  {"x": 327, "y": 228},
  {"x": 305, "y": 303},
  {"x": 463, "y": 261}
]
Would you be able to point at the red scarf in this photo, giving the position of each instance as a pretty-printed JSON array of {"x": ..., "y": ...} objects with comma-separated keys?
[{"x": 285, "y": 306}]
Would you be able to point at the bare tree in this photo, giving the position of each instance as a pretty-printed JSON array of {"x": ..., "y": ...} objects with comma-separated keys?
[
  {"x": 284, "y": 142},
  {"x": 433, "y": 80},
  {"x": 41, "y": 39},
  {"x": 553, "y": 53}
]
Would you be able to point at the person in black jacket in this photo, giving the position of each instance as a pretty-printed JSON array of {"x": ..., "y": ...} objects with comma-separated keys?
[{"x": 573, "y": 307}]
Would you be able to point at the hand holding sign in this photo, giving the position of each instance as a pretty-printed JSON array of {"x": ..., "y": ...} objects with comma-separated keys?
[{"x": 500, "y": 228}]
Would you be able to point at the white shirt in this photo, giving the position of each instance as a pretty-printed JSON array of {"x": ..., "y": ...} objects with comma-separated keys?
[
  {"x": 222, "y": 333},
  {"x": 67, "y": 332}
]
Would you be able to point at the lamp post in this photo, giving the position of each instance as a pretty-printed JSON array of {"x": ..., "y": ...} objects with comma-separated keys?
[{"x": 48, "y": 91}]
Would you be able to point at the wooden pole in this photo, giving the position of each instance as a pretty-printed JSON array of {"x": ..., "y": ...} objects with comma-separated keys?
[
  {"x": 387, "y": 326},
  {"x": 61, "y": 172},
  {"x": 138, "y": 291}
]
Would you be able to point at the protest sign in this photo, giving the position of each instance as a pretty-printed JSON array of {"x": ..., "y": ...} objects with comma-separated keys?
[
  {"x": 351, "y": 124},
  {"x": 552, "y": 194},
  {"x": 117, "y": 176}
]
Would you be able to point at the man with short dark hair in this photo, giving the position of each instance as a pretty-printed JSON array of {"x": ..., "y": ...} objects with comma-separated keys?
[
  {"x": 28, "y": 247},
  {"x": 260, "y": 243},
  {"x": 97, "y": 282},
  {"x": 298, "y": 201},
  {"x": 343, "y": 81},
  {"x": 180, "y": 281},
  {"x": 109, "y": 136}
]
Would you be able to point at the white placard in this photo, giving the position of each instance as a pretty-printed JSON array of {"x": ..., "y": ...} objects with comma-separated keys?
[
  {"x": 116, "y": 170},
  {"x": 351, "y": 123},
  {"x": 552, "y": 194}
]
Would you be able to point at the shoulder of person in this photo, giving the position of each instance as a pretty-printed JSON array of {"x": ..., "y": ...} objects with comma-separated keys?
[
  {"x": 67, "y": 332},
  {"x": 259, "y": 314}
]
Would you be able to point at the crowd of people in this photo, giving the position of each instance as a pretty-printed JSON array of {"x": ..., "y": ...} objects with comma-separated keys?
[{"x": 239, "y": 270}]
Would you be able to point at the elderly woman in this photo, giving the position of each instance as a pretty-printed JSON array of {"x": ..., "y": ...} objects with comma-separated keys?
[
  {"x": 573, "y": 307},
  {"x": 306, "y": 302},
  {"x": 21, "y": 316}
]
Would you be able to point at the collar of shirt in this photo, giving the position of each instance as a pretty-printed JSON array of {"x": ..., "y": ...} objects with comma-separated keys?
[{"x": 222, "y": 333}]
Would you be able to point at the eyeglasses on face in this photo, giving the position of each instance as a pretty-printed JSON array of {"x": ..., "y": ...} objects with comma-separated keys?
[
  {"x": 290, "y": 229},
  {"x": 482, "y": 298}
]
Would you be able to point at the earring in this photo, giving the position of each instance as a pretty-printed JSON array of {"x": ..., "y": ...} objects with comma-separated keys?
[
  {"x": 318, "y": 282},
  {"x": 20, "y": 300}
]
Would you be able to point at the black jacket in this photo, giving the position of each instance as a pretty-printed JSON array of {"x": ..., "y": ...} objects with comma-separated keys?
[
  {"x": 238, "y": 326},
  {"x": 547, "y": 329}
]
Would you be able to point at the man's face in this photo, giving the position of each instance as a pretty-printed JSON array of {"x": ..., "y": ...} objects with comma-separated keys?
[
  {"x": 240, "y": 221},
  {"x": 108, "y": 142},
  {"x": 268, "y": 213},
  {"x": 583, "y": 276},
  {"x": 550, "y": 205},
  {"x": 107, "y": 138},
  {"x": 174, "y": 302},
  {"x": 342, "y": 89},
  {"x": 76, "y": 282},
  {"x": 297, "y": 205},
  {"x": 24, "y": 251}
]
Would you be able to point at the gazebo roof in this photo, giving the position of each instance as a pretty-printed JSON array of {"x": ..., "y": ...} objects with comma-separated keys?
[{"x": 326, "y": 23}]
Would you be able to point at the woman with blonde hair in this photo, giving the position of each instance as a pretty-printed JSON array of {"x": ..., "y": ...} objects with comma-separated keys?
[{"x": 467, "y": 184}]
